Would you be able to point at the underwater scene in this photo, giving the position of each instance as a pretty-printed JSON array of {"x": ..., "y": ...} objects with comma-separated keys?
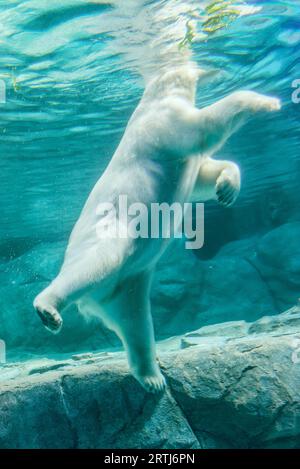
[{"x": 120, "y": 329}]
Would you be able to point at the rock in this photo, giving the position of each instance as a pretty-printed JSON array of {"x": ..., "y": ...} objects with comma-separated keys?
[
  {"x": 288, "y": 321},
  {"x": 92, "y": 408},
  {"x": 23, "y": 331},
  {"x": 191, "y": 341},
  {"x": 189, "y": 293},
  {"x": 82, "y": 356},
  {"x": 21, "y": 280},
  {"x": 247, "y": 279},
  {"x": 175, "y": 290},
  {"x": 237, "y": 388},
  {"x": 230, "y": 328},
  {"x": 278, "y": 261},
  {"x": 240, "y": 397},
  {"x": 232, "y": 290},
  {"x": 216, "y": 332},
  {"x": 242, "y": 248},
  {"x": 39, "y": 264},
  {"x": 242, "y": 392}
]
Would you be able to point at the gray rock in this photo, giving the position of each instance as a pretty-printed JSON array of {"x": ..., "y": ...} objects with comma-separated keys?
[
  {"x": 240, "y": 397},
  {"x": 278, "y": 261},
  {"x": 242, "y": 248},
  {"x": 226, "y": 390},
  {"x": 191, "y": 341},
  {"x": 246, "y": 280},
  {"x": 90, "y": 408},
  {"x": 190, "y": 293},
  {"x": 229, "y": 329},
  {"x": 39, "y": 264},
  {"x": 288, "y": 321},
  {"x": 232, "y": 290},
  {"x": 22, "y": 329}
]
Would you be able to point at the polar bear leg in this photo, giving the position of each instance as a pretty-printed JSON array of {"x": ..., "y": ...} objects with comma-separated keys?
[
  {"x": 128, "y": 314},
  {"x": 220, "y": 120},
  {"x": 66, "y": 290},
  {"x": 218, "y": 180},
  {"x": 255, "y": 102},
  {"x": 47, "y": 307},
  {"x": 97, "y": 270}
]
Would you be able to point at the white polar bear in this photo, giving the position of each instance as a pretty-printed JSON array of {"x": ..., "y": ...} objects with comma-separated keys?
[{"x": 165, "y": 154}]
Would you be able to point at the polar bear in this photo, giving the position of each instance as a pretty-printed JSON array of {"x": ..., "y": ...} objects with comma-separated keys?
[{"x": 165, "y": 155}]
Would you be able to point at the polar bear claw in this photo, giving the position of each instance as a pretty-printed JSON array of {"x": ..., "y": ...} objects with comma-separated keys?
[{"x": 50, "y": 317}]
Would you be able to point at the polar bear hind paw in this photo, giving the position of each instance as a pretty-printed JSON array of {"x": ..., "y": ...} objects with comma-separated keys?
[
  {"x": 228, "y": 187},
  {"x": 50, "y": 317},
  {"x": 154, "y": 384}
]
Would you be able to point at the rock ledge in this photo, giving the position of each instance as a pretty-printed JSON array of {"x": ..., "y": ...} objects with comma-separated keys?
[{"x": 232, "y": 385}]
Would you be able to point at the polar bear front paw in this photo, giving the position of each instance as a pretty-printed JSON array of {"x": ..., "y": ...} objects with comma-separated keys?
[
  {"x": 228, "y": 186},
  {"x": 268, "y": 104},
  {"x": 50, "y": 317},
  {"x": 257, "y": 102}
]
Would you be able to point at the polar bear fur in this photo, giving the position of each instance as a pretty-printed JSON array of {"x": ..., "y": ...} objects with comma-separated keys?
[{"x": 165, "y": 155}]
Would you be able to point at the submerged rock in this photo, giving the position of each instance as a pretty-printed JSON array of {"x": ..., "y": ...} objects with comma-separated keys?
[
  {"x": 246, "y": 280},
  {"x": 188, "y": 293},
  {"x": 236, "y": 386},
  {"x": 278, "y": 261}
]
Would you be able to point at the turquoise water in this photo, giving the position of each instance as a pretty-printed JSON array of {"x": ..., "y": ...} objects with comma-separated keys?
[{"x": 74, "y": 72}]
